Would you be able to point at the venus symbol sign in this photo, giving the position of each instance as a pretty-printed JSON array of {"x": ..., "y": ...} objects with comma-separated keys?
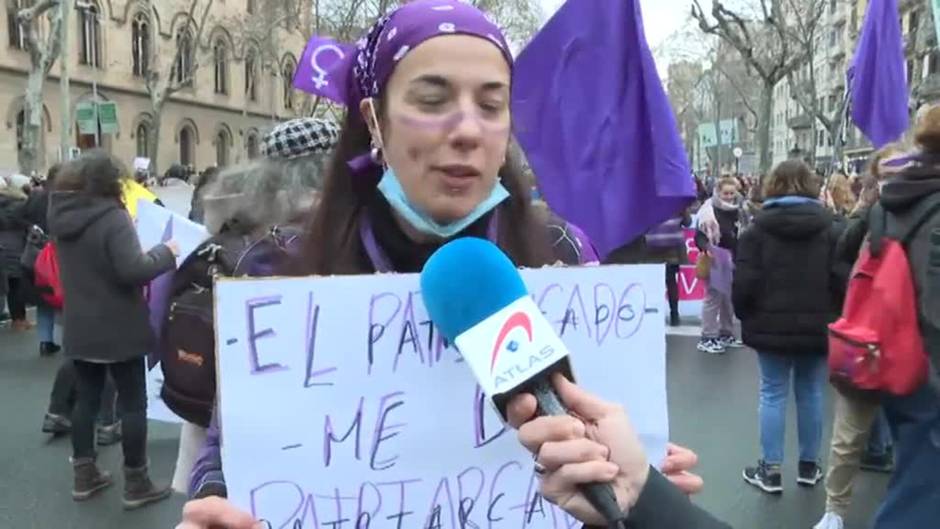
[{"x": 323, "y": 68}]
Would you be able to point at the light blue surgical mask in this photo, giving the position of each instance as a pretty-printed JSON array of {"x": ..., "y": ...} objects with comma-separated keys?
[{"x": 391, "y": 189}]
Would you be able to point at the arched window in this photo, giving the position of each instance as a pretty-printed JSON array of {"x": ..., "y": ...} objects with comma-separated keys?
[
  {"x": 287, "y": 76},
  {"x": 251, "y": 146},
  {"x": 89, "y": 31},
  {"x": 142, "y": 135},
  {"x": 251, "y": 75},
  {"x": 222, "y": 142},
  {"x": 20, "y": 129},
  {"x": 140, "y": 44},
  {"x": 220, "y": 57},
  {"x": 184, "y": 57},
  {"x": 15, "y": 30},
  {"x": 187, "y": 146}
]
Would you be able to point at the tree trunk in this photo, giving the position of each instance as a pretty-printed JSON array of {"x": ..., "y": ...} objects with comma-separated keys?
[
  {"x": 763, "y": 126},
  {"x": 32, "y": 123},
  {"x": 718, "y": 171},
  {"x": 154, "y": 139},
  {"x": 837, "y": 144}
]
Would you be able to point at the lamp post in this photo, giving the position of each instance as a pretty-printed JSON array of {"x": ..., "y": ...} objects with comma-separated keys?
[
  {"x": 91, "y": 40},
  {"x": 738, "y": 153}
]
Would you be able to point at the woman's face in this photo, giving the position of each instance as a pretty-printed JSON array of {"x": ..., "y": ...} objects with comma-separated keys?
[
  {"x": 447, "y": 123},
  {"x": 727, "y": 193}
]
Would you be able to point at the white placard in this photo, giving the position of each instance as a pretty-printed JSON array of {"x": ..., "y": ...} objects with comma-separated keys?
[
  {"x": 154, "y": 223},
  {"x": 339, "y": 400}
]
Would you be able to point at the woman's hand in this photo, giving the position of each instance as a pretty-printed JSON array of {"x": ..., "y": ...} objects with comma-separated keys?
[
  {"x": 216, "y": 513},
  {"x": 676, "y": 467},
  {"x": 594, "y": 444}
]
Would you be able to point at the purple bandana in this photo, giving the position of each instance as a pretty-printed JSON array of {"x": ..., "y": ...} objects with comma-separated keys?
[{"x": 348, "y": 73}]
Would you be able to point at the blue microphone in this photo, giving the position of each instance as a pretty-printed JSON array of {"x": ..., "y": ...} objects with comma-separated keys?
[{"x": 478, "y": 301}]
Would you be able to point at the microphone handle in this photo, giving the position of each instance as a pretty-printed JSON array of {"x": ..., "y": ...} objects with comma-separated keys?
[{"x": 600, "y": 495}]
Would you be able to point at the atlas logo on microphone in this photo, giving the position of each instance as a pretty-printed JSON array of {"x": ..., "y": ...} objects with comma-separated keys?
[{"x": 516, "y": 367}]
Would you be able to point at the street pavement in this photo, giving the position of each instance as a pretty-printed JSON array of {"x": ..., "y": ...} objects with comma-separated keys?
[{"x": 712, "y": 406}]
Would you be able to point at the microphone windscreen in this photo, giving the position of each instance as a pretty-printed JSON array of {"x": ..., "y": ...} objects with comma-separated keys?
[{"x": 467, "y": 280}]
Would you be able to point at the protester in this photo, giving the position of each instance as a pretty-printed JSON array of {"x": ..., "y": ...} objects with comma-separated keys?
[
  {"x": 101, "y": 261},
  {"x": 786, "y": 290},
  {"x": 35, "y": 212},
  {"x": 857, "y": 416},
  {"x": 12, "y": 243},
  {"x": 719, "y": 221},
  {"x": 195, "y": 206},
  {"x": 838, "y": 195},
  {"x": 247, "y": 202},
  {"x": 911, "y": 499},
  {"x": 421, "y": 162}
]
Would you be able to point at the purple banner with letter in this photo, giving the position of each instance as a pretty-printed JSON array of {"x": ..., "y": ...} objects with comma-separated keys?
[{"x": 324, "y": 68}]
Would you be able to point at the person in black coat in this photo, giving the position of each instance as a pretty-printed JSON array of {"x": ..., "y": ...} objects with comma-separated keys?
[
  {"x": 107, "y": 329},
  {"x": 787, "y": 288},
  {"x": 12, "y": 243},
  {"x": 35, "y": 213}
]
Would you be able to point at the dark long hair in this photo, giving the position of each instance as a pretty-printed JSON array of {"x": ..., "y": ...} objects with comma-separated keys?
[
  {"x": 95, "y": 173},
  {"x": 333, "y": 245}
]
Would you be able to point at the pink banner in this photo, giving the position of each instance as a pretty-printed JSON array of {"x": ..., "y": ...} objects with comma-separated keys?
[{"x": 691, "y": 288}]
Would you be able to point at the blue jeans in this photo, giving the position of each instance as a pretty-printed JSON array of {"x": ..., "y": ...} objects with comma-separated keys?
[
  {"x": 45, "y": 323},
  {"x": 913, "y": 496},
  {"x": 879, "y": 439},
  {"x": 809, "y": 379}
]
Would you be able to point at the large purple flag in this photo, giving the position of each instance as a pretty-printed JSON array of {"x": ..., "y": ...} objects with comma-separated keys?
[
  {"x": 877, "y": 78},
  {"x": 596, "y": 125}
]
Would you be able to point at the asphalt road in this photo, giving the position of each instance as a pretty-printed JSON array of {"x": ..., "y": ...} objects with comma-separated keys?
[{"x": 712, "y": 404}]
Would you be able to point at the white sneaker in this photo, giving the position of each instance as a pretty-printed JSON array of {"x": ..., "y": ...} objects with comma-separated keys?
[{"x": 830, "y": 520}]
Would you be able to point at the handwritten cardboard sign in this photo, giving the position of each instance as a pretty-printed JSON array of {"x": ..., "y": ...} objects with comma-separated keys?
[
  {"x": 156, "y": 224},
  {"x": 342, "y": 406}
]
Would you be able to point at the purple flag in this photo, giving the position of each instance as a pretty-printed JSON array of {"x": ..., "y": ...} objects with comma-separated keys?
[
  {"x": 596, "y": 125},
  {"x": 324, "y": 68},
  {"x": 158, "y": 298},
  {"x": 877, "y": 77}
]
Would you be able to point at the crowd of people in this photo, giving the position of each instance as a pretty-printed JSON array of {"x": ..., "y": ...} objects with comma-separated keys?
[{"x": 425, "y": 155}]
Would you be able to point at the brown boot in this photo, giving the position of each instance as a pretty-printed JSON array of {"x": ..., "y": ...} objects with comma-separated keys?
[
  {"x": 88, "y": 479},
  {"x": 140, "y": 491}
]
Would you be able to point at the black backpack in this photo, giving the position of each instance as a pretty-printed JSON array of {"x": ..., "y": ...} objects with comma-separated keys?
[{"x": 187, "y": 341}]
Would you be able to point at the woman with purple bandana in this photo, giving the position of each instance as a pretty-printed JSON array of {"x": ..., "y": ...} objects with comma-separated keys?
[{"x": 425, "y": 157}]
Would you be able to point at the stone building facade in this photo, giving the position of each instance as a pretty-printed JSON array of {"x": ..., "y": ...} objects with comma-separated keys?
[{"x": 218, "y": 119}]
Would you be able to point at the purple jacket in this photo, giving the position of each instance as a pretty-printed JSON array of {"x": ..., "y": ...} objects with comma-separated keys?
[{"x": 571, "y": 245}]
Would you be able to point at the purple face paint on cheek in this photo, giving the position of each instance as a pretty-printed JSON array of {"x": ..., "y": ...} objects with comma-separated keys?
[{"x": 449, "y": 122}]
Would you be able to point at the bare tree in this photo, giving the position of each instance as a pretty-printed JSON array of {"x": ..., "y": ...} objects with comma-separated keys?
[
  {"x": 42, "y": 55},
  {"x": 519, "y": 19},
  {"x": 162, "y": 81},
  {"x": 763, "y": 42}
]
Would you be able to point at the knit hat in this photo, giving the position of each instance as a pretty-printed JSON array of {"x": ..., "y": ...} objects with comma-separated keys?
[{"x": 300, "y": 137}]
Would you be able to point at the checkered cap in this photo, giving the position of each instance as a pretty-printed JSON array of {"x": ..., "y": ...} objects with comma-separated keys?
[{"x": 300, "y": 137}]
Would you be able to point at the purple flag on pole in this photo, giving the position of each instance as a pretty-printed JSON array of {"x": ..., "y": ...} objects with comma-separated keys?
[
  {"x": 877, "y": 77},
  {"x": 596, "y": 125},
  {"x": 324, "y": 67}
]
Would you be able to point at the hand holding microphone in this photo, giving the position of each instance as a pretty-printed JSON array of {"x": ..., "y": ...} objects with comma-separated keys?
[{"x": 596, "y": 444}]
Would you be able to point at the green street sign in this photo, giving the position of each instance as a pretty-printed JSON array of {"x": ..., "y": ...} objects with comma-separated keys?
[
  {"x": 86, "y": 117},
  {"x": 107, "y": 117}
]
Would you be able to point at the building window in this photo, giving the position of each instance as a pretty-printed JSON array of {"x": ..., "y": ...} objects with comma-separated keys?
[
  {"x": 251, "y": 146},
  {"x": 833, "y": 36},
  {"x": 220, "y": 56},
  {"x": 933, "y": 61},
  {"x": 222, "y": 142},
  {"x": 250, "y": 7},
  {"x": 89, "y": 31},
  {"x": 140, "y": 44},
  {"x": 912, "y": 22},
  {"x": 15, "y": 30},
  {"x": 910, "y": 71},
  {"x": 184, "y": 58},
  {"x": 142, "y": 135},
  {"x": 288, "y": 78},
  {"x": 832, "y": 6},
  {"x": 251, "y": 75},
  {"x": 187, "y": 146}
]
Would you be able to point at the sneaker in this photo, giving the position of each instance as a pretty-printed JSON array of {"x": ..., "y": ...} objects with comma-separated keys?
[
  {"x": 110, "y": 434},
  {"x": 809, "y": 474},
  {"x": 48, "y": 348},
  {"x": 730, "y": 342},
  {"x": 830, "y": 520},
  {"x": 877, "y": 463},
  {"x": 711, "y": 346},
  {"x": 765, "y": 477},
  {"x": 56, "y": 424}
]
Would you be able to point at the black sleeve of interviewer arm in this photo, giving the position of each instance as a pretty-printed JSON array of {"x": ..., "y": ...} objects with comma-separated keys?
[{"x": 663, "y": 506}]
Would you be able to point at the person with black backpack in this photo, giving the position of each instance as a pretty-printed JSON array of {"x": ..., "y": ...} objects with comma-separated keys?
[{"x": 253, "y": 213}]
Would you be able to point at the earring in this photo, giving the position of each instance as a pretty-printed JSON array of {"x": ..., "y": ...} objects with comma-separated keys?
[{"x": 376, "y": 155}]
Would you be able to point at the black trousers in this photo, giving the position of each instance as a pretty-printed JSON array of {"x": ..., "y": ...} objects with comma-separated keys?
[
  {"x": 16, "y": 298},
  {"x": 672, "y": 287},
  {"x": 64, "y": 391},
  {"x": 129, "y": 379}
]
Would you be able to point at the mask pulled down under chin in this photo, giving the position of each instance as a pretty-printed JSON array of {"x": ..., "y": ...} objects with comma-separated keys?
[{"x": 391, "y": 189}]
